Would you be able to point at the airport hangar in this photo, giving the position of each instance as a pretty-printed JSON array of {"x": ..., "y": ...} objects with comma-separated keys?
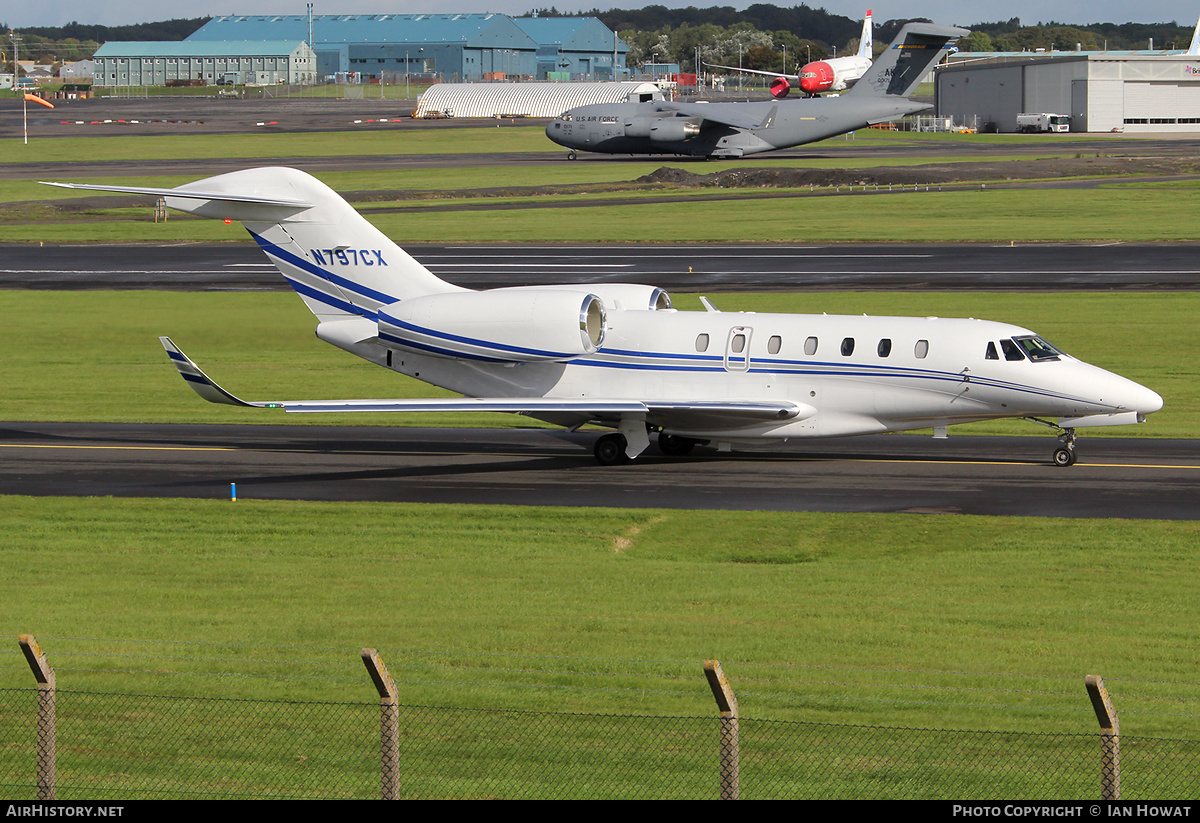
[
  {"x": 1133, "y": 92},
  {"x": 453, "y": 47},
  {"x": 164, "y": 63}
]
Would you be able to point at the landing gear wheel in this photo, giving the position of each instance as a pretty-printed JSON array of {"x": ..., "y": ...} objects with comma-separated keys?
[
  {"x": 572, "y": 155},
  {"x": 1064, "y": 457},
  {"x": 610, "y": 450},
  {"x": 675, "y": 446}
]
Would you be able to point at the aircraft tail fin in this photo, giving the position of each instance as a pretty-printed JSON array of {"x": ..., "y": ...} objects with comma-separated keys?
[
  {"x": 1194, "y": 48},
  {"x": 901, "y": 67},
  {"x": 866, "y": 43},
  {"x": 339, "y": 264}
]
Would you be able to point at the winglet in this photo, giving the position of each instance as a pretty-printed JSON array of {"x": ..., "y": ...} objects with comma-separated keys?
[{"x": 201, "y": 383}]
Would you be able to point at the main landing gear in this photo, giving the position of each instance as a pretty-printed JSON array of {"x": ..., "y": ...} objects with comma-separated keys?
[{"x": 610, "y": 448}]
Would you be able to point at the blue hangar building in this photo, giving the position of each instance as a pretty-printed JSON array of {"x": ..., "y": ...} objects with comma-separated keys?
[{"x": 453, "y": 47}]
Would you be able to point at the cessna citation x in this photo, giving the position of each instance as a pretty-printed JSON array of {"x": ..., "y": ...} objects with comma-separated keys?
[
  {"x": 833, "y": 74},
  {"x": 619, "y": 356},
  {"x": 738, "y": 129}
]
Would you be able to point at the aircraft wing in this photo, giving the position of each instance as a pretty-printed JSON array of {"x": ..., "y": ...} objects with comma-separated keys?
[
  {"x": 795, "y": 77},
  {"x": 717, "y": 114},
  {"x": 729, "y": 413}
]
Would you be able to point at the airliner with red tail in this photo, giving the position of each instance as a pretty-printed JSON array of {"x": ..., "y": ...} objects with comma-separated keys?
[{"x": 818, "y": 76}]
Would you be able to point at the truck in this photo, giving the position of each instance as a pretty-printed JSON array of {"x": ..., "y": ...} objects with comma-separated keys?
[{"x": 1034, "y": 123}]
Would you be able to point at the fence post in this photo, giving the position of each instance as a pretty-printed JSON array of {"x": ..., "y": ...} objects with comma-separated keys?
[
  {"x": 389, "y": 725},
  {"x": 1110, "y": 739},
  {"x": 47, "y": 755},
  {"x": 728, "y": 707}
]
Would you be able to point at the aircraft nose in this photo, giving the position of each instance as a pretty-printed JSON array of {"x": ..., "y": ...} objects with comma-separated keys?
[
  {"x": 1126, "y": 394},
  {"x": 1145, "y": 401}
]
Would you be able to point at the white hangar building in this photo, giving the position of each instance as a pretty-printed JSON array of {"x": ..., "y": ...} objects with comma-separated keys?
[
  {"x": 1133, "y": 92},
  {"x": 526, "y": 99}
]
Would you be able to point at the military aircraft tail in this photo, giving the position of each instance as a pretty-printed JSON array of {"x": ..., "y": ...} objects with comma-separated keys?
[
  {"x": 339, "y": 264},
  {"x": 915, "y": 51}
]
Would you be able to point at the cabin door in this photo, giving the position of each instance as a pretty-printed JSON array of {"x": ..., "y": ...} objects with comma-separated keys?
[{"x": 737, "y": 349}]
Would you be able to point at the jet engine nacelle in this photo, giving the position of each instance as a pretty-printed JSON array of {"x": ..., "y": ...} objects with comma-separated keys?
[
  {"x": 626, "y": 296},
  {"x": 673, "y": 130},
  {"x": 638, "y": 126},
  {"x": 780, "y": 88},
  {"x": 816, "y": 77},
  {"x": 520, "y": 325}
]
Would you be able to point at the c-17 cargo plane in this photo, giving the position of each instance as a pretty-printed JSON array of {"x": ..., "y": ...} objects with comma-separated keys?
[
  {"x": 620, "y": 356},
  {"x": 738, "y": 129}
]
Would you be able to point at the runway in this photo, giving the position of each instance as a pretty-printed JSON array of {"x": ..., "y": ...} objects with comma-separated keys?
[
  {"x": 708, "y": 268},
  {"x": 1125, "y": 478}
]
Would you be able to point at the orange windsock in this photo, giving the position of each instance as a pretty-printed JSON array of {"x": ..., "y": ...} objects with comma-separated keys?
[{"x": 33, "y": 98}]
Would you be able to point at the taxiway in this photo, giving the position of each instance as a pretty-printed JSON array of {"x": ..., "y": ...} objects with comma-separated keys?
[{"x": 1116, "y": 477}]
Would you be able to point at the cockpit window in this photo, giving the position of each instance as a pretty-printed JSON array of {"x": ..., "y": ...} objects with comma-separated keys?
[
  {"x": 566, "y": 116},
  {"x": 1037, "y": 349},
  {"x": 1011, "y": 350},
  {"x": 991, "y": 352}
]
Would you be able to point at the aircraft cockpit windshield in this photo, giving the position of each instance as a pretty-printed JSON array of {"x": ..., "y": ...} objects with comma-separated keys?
[
  {"x": 1029, "y": 347},
  {"x": 1037, "y": 349},
  {"x": 565, "y": 116}
]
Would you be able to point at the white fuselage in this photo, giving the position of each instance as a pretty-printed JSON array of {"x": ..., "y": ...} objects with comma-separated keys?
[{"x": 857, "y": 374}]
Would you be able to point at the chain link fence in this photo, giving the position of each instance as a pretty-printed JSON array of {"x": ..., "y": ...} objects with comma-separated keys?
[{"x": 128, "y": 747}]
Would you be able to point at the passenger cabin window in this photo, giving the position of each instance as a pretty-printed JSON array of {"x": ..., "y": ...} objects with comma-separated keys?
[
  {"x": 921, "y": 350},
  {"x": 991, "y": 352},
  {"x": 702, "y": 342},
  {"x": 738, "y": 344},
  {"x": 885, "y": 347},
  {"x": 810, "y": 346},
  {"x": 847, "y": 346},
  {"x": 774, "y": 344},
  {"x": 1011, "y": 350}
]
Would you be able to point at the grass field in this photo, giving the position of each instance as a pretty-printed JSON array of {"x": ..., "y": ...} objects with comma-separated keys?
[
  {"x": 565, "y": 214},
  {"x": 876, "y": 619}
]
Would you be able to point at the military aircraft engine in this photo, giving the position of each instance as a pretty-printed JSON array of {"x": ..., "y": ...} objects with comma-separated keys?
[
  {"x": 672, "y": 131},
  {"x": 520, "y": 325},
  {"x": 638, "y": 126}
]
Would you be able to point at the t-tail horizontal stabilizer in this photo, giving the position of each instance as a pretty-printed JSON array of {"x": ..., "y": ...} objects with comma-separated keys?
[
  {"x": 913, "y": 54},
  {"x": 208, "y": 203}
]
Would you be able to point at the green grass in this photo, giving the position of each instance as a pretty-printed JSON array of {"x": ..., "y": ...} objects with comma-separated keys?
[
  {"x": 109, "y": 366},
  {"x": 898, "y": 620},
  {"x": 1109, "y": 213}
]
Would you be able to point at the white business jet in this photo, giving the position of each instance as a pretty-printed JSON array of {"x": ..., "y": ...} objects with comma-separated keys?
[{"x": 619, "y": 356}]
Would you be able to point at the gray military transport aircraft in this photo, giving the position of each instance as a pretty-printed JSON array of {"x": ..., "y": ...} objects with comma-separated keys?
[{"x": 737, "y": 129}]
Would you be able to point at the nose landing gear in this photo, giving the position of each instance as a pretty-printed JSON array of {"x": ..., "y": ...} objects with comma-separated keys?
[{"x": 1064, "y": 455}]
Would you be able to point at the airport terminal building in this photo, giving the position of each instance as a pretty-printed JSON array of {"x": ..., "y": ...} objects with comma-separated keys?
[{"x": 1133, "y": 92}]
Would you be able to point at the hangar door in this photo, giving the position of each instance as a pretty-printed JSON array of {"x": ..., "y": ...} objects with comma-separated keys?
[{"x": 1162, "y": 106}]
